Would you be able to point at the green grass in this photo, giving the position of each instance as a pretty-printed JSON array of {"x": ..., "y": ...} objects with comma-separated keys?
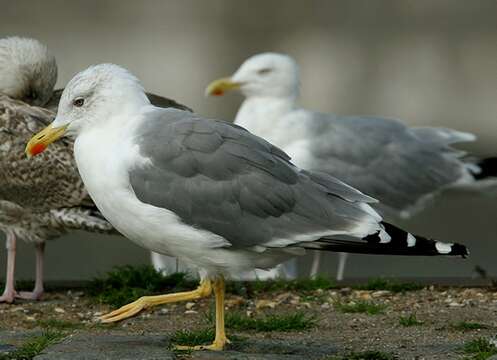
[
  {"x": 365, "y": 355},
  {"x": 389, "y": 285},
  {"x": 278, "y": 322},
  {"x": 410, "y": 320},
  {"x": 479, "y": 349},
  {"x": 259, "y": 286},
  {"x": 469, "y": 326},
  {"x": 365, "y": 307},
  {"x": 34, "y": 346},
  {"x": 127, "y": 283},
  {"x": 193, "y": 338}
]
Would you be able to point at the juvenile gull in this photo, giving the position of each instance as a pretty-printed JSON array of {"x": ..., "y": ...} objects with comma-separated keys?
[
  {"x": 403, "y": 167},
  {"x": 207, "y": 191},
  {"x": 37, "y": 203}
]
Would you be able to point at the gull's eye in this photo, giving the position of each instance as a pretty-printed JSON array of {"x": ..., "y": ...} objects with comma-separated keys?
[
  {"x": 32, "y": 95},
  {"x": 78, "y": 102},
  {"x": 264, "y": 71}
]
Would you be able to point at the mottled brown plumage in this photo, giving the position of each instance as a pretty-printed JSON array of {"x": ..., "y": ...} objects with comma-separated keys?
[{"x": 39, "y": 202}]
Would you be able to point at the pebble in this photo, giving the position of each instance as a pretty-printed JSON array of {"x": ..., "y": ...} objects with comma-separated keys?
[
  {"x": 189, "y": 305},
  {"x": 163, "y": 311},
  {"x": 345, "y": 291},
  {"x": 234, "y": 301},
  {"x": 30, "y": 318},
  {"x": 191, "y": 312},
  {"x": 264, "y": 303},
  {"x": 455, "y": 304},
  {"x": 59, "y": 310},
  {"x": 283, "y": 297}
]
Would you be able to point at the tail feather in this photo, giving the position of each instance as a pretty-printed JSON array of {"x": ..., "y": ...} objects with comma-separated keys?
[
  {"x": 488, "y": 168},
  {"x": 391, "y": 241}
]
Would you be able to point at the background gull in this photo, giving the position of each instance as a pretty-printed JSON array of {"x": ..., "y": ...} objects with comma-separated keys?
[
  {"x": 402, "y": 167},
  {"x": 207, "y": 191},
  {"x": 35, "y": 204}
]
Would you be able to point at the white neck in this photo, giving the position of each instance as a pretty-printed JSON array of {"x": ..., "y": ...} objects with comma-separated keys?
[{"x": 261, "y": 115}]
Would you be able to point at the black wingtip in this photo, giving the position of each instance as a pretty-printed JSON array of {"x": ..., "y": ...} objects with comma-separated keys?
[
  {"x": 460, "y": 250},
  {"x": 488, "y": 168},
  {"x": 391, "y": 240}
]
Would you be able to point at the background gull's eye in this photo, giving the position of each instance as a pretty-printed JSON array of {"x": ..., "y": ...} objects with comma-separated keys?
[
  {"x": 78, "y": 102},
  {"x": 264, "y": 71}
]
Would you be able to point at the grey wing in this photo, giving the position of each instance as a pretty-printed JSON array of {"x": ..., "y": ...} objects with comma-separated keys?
[
  {"x": 156, "y": 100},
  {"x": 219, "y": 177},
  {"x": 400, "y": 166}
]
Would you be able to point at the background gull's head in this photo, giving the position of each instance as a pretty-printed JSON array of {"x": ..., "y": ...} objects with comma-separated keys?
[
  {"x": 28, "y": 71},
  {"x": 262, "y": 75}
]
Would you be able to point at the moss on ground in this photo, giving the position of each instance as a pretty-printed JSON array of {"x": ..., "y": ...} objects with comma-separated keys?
[
  {"x": 34, "y": 346},
  {"x": 389, "y": 285},
  {"x": 408, "y": 321},
  {"x": 479, "y": 349},
  {"x": 364, "y": 307}
]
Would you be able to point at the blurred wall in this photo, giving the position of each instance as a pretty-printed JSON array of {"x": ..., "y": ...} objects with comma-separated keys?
[{"x": 426, "y": 62}]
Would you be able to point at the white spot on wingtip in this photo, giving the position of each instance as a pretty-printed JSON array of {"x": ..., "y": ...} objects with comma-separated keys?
[
  {"x": 411, "y": 240},
  {"x": 384, "y": 237},
  {"x": 443, "y": 248}
]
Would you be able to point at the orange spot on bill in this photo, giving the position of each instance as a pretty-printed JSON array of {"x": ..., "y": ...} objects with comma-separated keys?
[
  {"x": 218, "y": 92},
  {"x": 37, "y": 149}
]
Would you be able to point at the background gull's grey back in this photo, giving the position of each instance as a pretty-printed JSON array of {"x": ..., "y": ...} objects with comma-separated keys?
[{"x": 426, "y": 62}]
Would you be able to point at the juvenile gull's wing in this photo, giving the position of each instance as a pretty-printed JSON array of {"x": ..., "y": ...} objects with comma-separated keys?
[{"x": 30, "y": 187}]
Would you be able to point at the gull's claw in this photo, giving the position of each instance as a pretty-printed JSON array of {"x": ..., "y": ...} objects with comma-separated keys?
[
  {"x": 30, "y": 295},
  {"x": 217, "y": 345},
  {"x": 126, "y": 311},
  {"x": 145, "y": 302},
  {"x": 8, "y": 297}
]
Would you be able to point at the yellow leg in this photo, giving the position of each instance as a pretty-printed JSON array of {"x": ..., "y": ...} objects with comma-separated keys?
[
  {"x": 220, "y": 340},
  {"x": 131, "y": 309}
]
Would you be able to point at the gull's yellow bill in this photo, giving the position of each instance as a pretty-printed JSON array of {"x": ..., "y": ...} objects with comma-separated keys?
[
  {"x": 220, "y": 86},
  {"x": 40, "y": 141}
]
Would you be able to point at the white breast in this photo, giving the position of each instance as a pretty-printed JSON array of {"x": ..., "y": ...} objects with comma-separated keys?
[
  {"x": 103, "y": 156},
  {"x": 280, "y": 123}
]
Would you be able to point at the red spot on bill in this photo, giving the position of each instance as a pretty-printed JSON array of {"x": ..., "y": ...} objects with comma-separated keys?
[
  {"x": 218, "y": 92},
  {"x": 37, "y": 149}
]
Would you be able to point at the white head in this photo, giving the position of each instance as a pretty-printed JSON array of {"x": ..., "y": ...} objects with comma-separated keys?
[
  {"x": 28, "y": 71},
  {"x": 91, "y": 98},
  {"x": 262, "y": 75}
]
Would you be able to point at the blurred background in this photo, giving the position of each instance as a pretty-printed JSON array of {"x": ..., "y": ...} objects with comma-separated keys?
[{"x": 423, "y": 61}]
